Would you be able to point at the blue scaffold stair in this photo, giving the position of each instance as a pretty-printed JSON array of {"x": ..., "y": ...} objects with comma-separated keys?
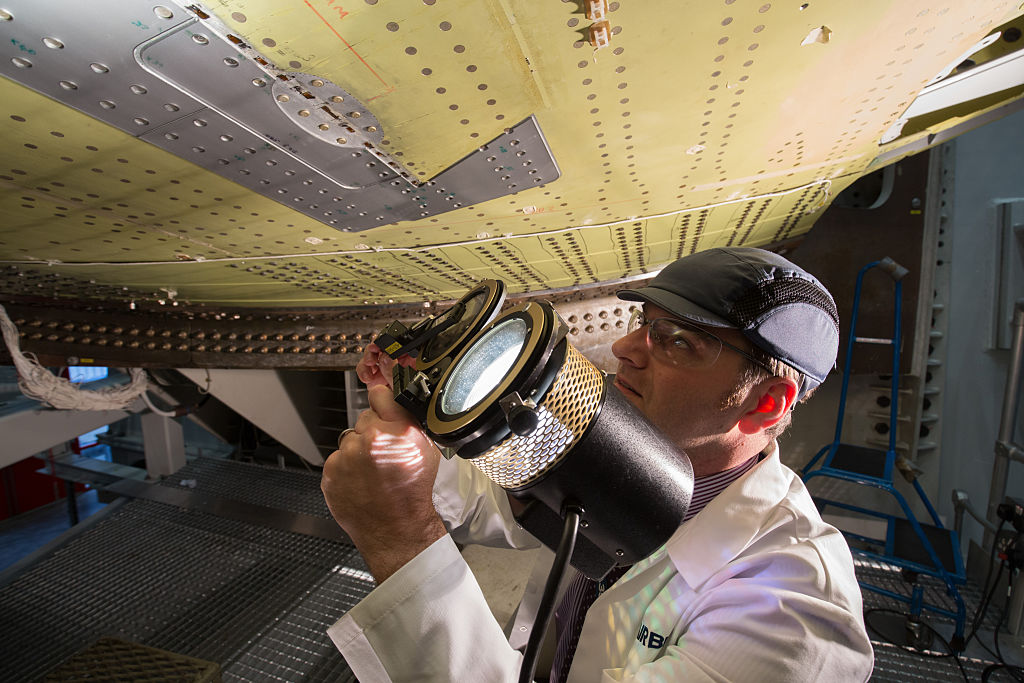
[{"x": 913, "y": 546}]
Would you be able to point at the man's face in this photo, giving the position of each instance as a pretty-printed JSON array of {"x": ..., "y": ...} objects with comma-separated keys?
[{"x": 687, "y": 404}]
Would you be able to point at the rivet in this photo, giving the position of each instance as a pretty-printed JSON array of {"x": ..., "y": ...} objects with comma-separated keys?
[
  {"x": 231, "y": 61},
  {"x": 337, "y": 98},
  {"x": 21, "y": 63},
  {"x": 5, "y": 15},
  {"x": 317, "y": 83},
  {"x": 200, "y": 39},
  {"x": 303, "y": 113},
  {"x": 259, "y": 82},
  {"x": 342, "y": 141},
  {"x": 99, "y": 68},
  {"x": 354, "y": 114},
  {"x": 163, "y": 12},
  {"x": 371, "y": 129},
  {"x": 283, "y": 98},
  {"x": 53, "y": 43},
  {"x": 323, "y": 126},
  {"x": 69, "y": 85},
  {"x": 138, "y": 89}
]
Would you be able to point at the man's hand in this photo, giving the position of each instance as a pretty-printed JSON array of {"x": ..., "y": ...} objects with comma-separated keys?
[
  {"x": 376, "y": 367},
  {"x": 379, "y": 484}
]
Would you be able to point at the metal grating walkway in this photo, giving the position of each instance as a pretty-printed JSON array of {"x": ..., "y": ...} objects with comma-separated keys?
[
  {"x": 288, "y": 490},
  {"x": 893, "y": 664},
  {"x": 257, "y": 600}
]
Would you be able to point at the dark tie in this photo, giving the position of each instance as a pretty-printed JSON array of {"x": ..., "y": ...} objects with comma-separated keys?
[{"x": 569, "y": 616}]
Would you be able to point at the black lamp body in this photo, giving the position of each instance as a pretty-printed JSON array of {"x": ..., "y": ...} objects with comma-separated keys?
[{"x": 633, "y": 485}]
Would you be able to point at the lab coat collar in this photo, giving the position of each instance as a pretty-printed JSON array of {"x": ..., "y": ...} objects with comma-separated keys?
[{"x": 723, "y": 529}]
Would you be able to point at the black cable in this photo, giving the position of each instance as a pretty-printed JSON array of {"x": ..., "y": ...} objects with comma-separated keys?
[
  {"x": 937, "y": 655},
  {"x": 1015, "y": 671},
  {"x": 979, "y": 612},
  {"x": 992, "y": 668},
  {"x": 982, "y": 609},
  {"x": 547, "y": 601}
]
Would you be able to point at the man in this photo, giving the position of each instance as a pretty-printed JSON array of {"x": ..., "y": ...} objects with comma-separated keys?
[{"x": 752, "y": 586}]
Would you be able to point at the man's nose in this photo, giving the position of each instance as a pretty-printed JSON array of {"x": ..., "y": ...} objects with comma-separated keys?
[{"x": 633, "y": 347}]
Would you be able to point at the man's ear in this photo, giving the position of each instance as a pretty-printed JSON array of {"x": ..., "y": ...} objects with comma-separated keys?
[{"x": 774, "y": 399}]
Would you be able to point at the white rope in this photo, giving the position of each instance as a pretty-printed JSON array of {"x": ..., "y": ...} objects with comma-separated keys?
[
  {"x": 40, "y": 384},
  {"x": 165, "y": 413}
]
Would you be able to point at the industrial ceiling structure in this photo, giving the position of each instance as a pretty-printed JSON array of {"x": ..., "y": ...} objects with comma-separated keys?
[{"x": 247, "y": 183}]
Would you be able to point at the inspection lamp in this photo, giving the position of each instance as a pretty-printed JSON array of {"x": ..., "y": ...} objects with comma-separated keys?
[{"x": 511, "y": 394}]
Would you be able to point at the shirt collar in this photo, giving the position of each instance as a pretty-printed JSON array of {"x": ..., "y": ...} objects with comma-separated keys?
[{"x": 725, "y": 528}]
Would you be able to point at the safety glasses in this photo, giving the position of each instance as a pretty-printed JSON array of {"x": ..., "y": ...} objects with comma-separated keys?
[{"x": 683, "y": 344}]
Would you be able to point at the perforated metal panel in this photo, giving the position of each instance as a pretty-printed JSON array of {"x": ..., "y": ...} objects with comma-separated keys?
[{"x": 700, "y": 124}]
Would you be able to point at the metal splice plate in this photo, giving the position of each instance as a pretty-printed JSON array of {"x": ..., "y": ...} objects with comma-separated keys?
[{"x": 203, "y": 94}]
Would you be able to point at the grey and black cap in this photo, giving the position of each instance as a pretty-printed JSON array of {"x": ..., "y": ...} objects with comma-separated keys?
[{"x": 778, "y": 306}]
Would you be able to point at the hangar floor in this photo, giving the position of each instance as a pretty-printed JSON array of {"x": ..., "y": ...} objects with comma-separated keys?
[{"x": 173, "y": 572}]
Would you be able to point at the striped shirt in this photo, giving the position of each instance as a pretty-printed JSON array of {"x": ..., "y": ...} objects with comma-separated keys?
[{"x": 582, "y": 592}]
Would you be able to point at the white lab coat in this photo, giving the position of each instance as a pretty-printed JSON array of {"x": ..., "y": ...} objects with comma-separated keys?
[{"x": 754, "y": 588}]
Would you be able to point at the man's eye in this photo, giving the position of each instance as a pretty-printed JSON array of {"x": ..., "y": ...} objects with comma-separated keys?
[{"x": 680, "y": 341}]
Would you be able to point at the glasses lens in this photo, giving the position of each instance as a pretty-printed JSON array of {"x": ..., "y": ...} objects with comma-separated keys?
[
  {"x": 636, "y": 320},
  {"x": 683, "y": 344}
]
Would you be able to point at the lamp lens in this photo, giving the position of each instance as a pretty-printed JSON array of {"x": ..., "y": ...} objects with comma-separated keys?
[{"x": 484, "y": 366}]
